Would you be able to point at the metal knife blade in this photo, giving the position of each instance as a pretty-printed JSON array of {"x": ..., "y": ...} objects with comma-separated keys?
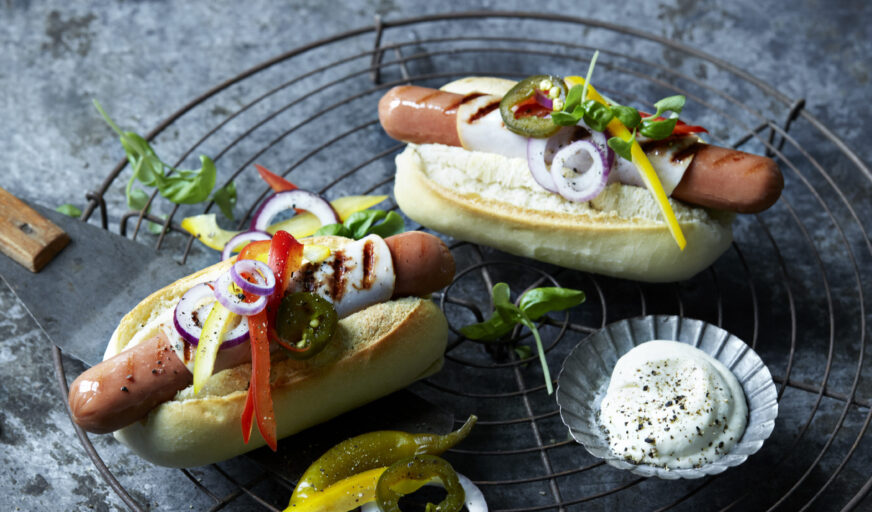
[{"x": 80, "y": 296}]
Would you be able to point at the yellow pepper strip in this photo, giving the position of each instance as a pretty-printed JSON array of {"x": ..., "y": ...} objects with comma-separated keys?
[
  {"x": 344, "y": 495},
  {"x": 316, "y": 253},
  {"x": 205, "y": 227},
  {"x": 214, "y": 328},
  {"x": 649, "y": 176}
]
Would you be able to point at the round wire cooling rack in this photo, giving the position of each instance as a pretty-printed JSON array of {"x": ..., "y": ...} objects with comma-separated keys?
[{"x": 791, "y": 285}]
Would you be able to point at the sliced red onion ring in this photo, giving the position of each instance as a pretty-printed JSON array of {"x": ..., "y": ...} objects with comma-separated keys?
[
  {"x": 264, "y": 278},
  {"x": 474, "y": 498},
  {"x": 235, "y": 302},
  {"x": 600, "y": 139},
  {"x": 191, "y": 312},
  {"x": 540, "y": 153},
  {"x": 303, "y": 199},
  {"x": 241, "y": 240},
  {"x": 579, "y": 171}
]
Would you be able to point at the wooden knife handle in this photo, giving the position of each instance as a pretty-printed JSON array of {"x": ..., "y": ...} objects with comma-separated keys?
[{"x": 26, "y": 236}]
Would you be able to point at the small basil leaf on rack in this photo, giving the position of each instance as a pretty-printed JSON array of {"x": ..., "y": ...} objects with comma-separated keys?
[
  {"x": 540, "y": 301},
  {"x": 333, "y": 230},
  {"x": 154, "y": 228},
  {"x": 225, "y": 198},
  {"x": 523, "y": 351},
  {"x": 69, "y": 210},
  {"x": 491, "y": 329},
  {"x": 627, "y": 115}
]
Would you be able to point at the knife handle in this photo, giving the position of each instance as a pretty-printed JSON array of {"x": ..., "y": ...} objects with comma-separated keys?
[{"x": 26, "y": 236}]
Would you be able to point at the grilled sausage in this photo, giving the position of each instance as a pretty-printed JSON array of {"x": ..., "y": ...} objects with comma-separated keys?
[{"x": 720, "y": 178}]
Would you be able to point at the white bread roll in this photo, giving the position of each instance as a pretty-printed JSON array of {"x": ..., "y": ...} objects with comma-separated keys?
[
  {"x": 493, "y": 200},
  {"x": 375, "y": 352}
]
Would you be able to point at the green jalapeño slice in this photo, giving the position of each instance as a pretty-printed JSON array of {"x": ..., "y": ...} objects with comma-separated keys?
[
  {"x": 526, "y": 109},
  {"x": 305, "y": 323}
]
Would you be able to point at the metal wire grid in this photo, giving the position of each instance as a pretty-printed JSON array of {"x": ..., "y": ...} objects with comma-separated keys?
[{"x": 520, "y": 453}]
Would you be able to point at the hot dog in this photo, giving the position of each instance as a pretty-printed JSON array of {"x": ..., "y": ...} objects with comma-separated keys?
[
  {"x": 721, "y": 178},
  {"x": 144, "y": 389},
  {"x": 465, "y": 174}
]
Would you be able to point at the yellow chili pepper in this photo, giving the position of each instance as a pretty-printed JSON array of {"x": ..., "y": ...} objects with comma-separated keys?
[
  {"x": 344, "y": 495},
  {"x": 216, "y": 324},
  {"x": 646, "y": 170}
]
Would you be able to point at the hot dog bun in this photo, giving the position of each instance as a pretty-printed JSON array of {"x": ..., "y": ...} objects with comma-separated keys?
[
  {"x": 375, "y": 351},
  {"x": 493, "y": 200}
]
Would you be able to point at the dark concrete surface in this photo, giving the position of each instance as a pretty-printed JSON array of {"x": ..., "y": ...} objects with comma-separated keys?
[{"x": 144, "y": 60}]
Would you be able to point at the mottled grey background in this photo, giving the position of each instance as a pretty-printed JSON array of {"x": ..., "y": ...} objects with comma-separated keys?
[{"x": 144, "y": 60}]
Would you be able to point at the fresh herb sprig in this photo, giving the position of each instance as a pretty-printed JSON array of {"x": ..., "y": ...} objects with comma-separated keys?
[
  {"x": 363, "y": 223},
  {"x": 180, "y": 187},
  {"x": 532, "y": 306},
  {"x": 597, "y": 116}
]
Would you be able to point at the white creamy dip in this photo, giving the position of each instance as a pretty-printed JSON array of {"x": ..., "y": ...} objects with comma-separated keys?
[{"x": 671, "y": 405}]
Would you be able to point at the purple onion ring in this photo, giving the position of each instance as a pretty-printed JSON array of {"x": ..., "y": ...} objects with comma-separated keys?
[
  {"x": 239, "y": 241},
  {"x": 587, "y": 174},
  {"x": 190, "y": 329},
  {"x": 288, "y": 199},
  {"x": 264, "y": 278}
]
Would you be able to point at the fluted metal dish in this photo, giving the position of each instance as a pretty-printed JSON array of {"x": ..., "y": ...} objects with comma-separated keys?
[{"x": 586, "y": 372}]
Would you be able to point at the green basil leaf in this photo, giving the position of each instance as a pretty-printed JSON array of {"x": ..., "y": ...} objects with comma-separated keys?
[
  {"x": 622, "y": 147},
  {"x": 540, "y": 301},
  {"x": 190, "y": 187},
  {"x": 393, "y": 224},
  {"x": 359, "y": 223},
  {"x": 573, "y": 98},
  {"x": 225, "y": 198},
  {"x": 523, "y": 351},
  {"x": 564, "y": 119},
  {"x": 658, "y": 129},
  {"x": 597, "y": 115},
  {"x": 670, "y": 104},
  {"x": 136, "y": 198},
  {"x": 491, "y": 329},
  {"x": 333, "y": 230},
  {"x": 501, "y": 294},
  {"x": 509, "y": 313},
  {"x": 627, "y": 115},
  {"x": 69, "y": 210}
]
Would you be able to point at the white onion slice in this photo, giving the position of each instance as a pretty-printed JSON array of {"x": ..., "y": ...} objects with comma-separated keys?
[
  {"x": 474, "y": 498},
  {"x": 264, "y": 278},
  {"x": 191, "y": 312},
  {"x": 241, "y": 240},
  {"x": 285, "y": 200},
  {"x": 233, "y": 301},
  {"x": 579, "y": 171}
]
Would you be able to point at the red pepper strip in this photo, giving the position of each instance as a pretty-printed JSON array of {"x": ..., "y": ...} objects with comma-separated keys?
[
  {"x": 681, "y": 128},
  {"x": 259, "y": 387},
  {"x": 255, "y": 251},
  {"x": 285, "y": 256},
  {"x": 247, "y": 414},
  {"x": 275, "y": 182}
]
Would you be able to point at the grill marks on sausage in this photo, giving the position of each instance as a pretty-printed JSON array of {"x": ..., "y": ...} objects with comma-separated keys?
[
  {"x": 368, "y": 265},
  {"x": 483, "y": 111},
  {"x": 682, "y": 147},
  {"x": 339, "y": 276}
]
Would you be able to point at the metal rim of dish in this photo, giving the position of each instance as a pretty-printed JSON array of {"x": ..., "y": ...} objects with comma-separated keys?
[{"x": 801, "y": 485}]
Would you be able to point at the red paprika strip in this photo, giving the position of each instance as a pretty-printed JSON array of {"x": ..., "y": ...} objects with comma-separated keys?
[
  {"x": 259, "y": 387},
  {"x": 275, "y": 182}
]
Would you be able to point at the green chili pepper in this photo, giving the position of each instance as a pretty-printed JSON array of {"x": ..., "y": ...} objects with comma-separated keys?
[
  {"x": 412, "y": 473},
  {"x": 369, "y": 451},
  {"x": 523, "y": 115},
  {"x": 305, "y": 323}
]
